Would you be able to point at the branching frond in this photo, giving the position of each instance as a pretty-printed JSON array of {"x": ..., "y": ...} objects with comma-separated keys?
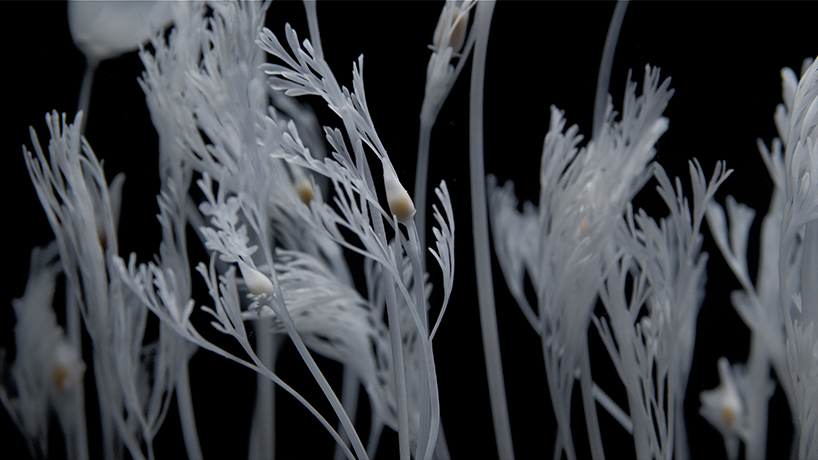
[{"x": 444, "y": 241}]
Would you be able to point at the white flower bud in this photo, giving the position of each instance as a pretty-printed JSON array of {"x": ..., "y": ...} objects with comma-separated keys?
[
  {"x": 304, "y": 191},
  {"x": 67, "y": 367},
  {"x": 452, "y": 25},
  {"x": 400, "y": 203},
  {"x": 723, "y": 408},
  {"x": 257, "y": 282},
  {"x": 303, "y": 186}
]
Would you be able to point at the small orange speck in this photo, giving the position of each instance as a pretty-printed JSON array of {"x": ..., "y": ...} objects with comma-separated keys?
[
  {"x": 60, "y": 376},
  {"x": 402, "y": 207},
  {"x": 728, "y": 414},
  {"x": 583, "y": 224},
  {"x": 305, "y": 193}
]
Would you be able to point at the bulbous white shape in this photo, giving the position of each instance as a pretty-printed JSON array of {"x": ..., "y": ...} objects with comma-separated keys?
[
  {"x": 67, "y": 367},
  {"x": 400, "y": 203},
  {"x": 103, "y": 29},
  {"x": 257, "y": 282},
  {"x": 451, "y": 27},
  {"x": 723, "y": 408}
]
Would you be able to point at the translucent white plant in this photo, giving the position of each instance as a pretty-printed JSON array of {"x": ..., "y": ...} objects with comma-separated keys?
[
  {"x": 449, "y": 42},
  {"x": 47, "y": 374},
  {"x": 285, "y": 235},
  {"x": 650, "y": 328},
  {"x": 781, "y": 307},
  {"x": 83, "y": 211},
  {"x": 257, "y": 203},
  {"x": 724, "y": 408},
  {"x": 304, "y": 72},
  {"x": 584, "y": 193}
]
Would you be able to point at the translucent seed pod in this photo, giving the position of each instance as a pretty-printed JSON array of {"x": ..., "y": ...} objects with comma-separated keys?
[
  {"x": 400, "y": 203},
  {"x": 67, "y": 368},
  {"x": 303, "y": 186},
  {"x": 452, "y": 26},
  {"x": 257, "y": 282}
]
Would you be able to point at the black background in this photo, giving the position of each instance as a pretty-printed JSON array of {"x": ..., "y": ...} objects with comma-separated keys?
[{"x": 724, "y": 59}]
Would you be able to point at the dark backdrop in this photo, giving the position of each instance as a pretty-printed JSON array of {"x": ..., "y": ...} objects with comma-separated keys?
[{"x": 724, "y": 59}]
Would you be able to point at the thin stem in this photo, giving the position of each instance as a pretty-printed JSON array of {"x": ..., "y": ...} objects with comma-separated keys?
[
  {"x": 414, "y": 250},
  {"x": 480, "y": 226},
  {"x": 73, "y": 323},
  {"x": 109, "y": 445},
  {"x": 605, "y": 67},
  {"x": 560, "y": 388},
  {"x": 256, "y": 366},
  {"x": 589, "y": 404},
  {"x": 397, "y": 358},
  {"x": 85, "y": 92},
  {"x": 263, "y": 432},
  {"x": 315, "y": 33},
  {"x": 375, "y": 430},
  {"x": 421, "y": 178},
  {"x": 442, "y": 447},
  {"x": 677, "y": 384},
  {"x": 81, "y": 430},
  {"x": 612, "y": 408},
  {"x": 319, "y": 377},
  {"x": 280, "y": 309},
  {"x": 349, "y": 399},
  {"x": 758, "y": 370},
  {"x": 185, "y": 404}
]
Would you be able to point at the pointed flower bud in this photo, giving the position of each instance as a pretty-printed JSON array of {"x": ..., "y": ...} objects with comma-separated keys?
[
  {"x": 67, "y": 367},
  {"x": 723, "y": 408},
  {"x": 305, "y": 192},
  {"x": 400, "y": 203},
  {"x": 722, "y": 405},
  {"x": 303, "y": 187},
  {"x": 257, "y": 282},
  {"x": 451, "y": 27}
]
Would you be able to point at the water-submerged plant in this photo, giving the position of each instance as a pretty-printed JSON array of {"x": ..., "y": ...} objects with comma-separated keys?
[{"x": 286, "y": 236}]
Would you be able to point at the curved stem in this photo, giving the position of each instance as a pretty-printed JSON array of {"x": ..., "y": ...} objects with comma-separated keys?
[
  {"x": 421, "y": 180},
  {"x": 262, "y": 434},
  {"x": 480, "y": 226},
  {"x": 186, "y": 416},
  {"x": 605, "y": 67},
  {"x": 349, "y": 399},
  {"x": 85, "y": 92},
  {"x": 589, "y": 404}
]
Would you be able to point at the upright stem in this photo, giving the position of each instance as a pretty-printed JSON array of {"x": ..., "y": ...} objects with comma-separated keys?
[
  {"x": 315, "y": 32},
  {"x": 480, "y": 226},
  {"x": 85, "y": 92},
  {"x": 441, "y": 446},
  {"x": 758, "y": 369},
  {"x": 349, "y": 399},
  {"x": 421, "y": 179},
  {"x": 560, "y": 388},
  {"x": 605, "y": 67},
  {"x": 589, "y": 404},
  {"x": 185, "y": 404},
  {"x": 289, "y": 324},
  {"x": 397, "y": 357},
  {"x": 110, "y": 448},
  {"x": 81, "y": 430},
  {"x": 262, "y": 439},
  {"x": 73, "y": 323},
  {"x": 415, "y": 251}
]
